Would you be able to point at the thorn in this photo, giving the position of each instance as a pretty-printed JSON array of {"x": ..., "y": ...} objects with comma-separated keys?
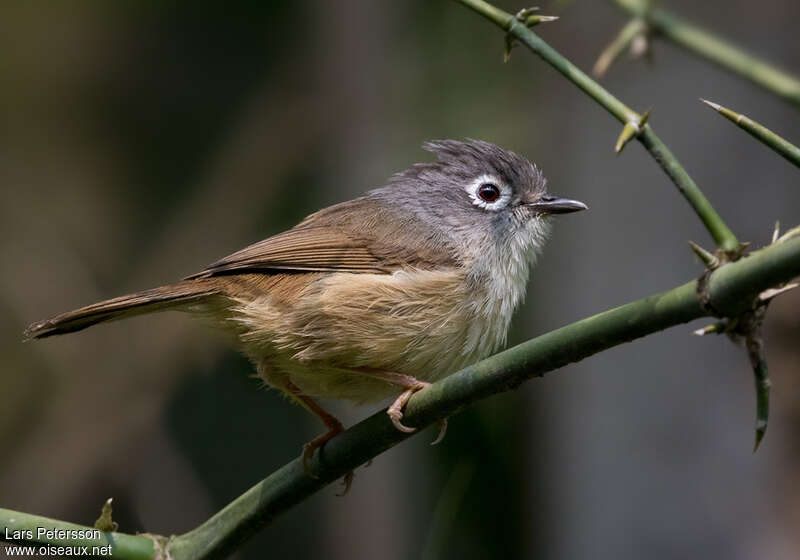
[
  {"x": 771, "y": 293},
  {"x": 510, "y": 44},
  {"x": 725, "y": 112},
  {"x": 105, "y": 523},
  {"x": 537, "y": 19},
  {"x": 758, "y": 361},
  {"x": 794, "y": 232},
  {"x": 714, "y": 328},
  {"x": 630, "y": 131},
  {"x": 525, "y": 12},
  {"x": 761, "y": 429},
  {"x": 709, "y": 259},
  {"x": 527, "y": 18},
  {"x": 711, "y": 104},
  {"x": 776, "y": 232}
]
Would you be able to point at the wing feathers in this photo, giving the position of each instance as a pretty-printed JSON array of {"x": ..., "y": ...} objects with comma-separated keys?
[
  {"x": 360, "y": 235},
  {"x": 303, "y": 249}
]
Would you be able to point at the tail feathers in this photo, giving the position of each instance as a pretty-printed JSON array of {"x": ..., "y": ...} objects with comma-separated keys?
[{"x": 147, "y": 301}]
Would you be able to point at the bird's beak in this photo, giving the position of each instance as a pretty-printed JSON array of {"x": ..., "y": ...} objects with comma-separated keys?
[{"x": 555, "y": 205}]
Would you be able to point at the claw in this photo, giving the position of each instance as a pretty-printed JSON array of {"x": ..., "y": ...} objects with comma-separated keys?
[
  {"x": 442, "y": 432},
  {"x": 396, "y": 416},
  {"x": 317, "y": 443},
  {"x": 347, "y": 481},
  {"x": 395, "y": 411}
]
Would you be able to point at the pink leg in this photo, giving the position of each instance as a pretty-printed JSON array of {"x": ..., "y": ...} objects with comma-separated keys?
[{"x": 334, "y": 426}]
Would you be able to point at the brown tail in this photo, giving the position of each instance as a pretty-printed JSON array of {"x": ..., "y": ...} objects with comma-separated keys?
[{"x": 148, "y": 301}]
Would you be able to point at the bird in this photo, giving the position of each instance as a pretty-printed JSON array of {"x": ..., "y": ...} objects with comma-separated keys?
[{"x": 378, "y": 296}]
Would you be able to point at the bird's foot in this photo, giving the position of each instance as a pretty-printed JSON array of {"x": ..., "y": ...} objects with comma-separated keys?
[
  {"x": 395, "y": 411},
  {"x": 316, "y": 443}
]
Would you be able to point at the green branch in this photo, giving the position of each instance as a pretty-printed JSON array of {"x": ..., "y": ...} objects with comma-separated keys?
[
  {"x": 786, "y": 149},
  {"x": 732, "y": 289},
  {"x": 635, "y": 124},
  {"x": 633, "y": 29},
  {"x": 719, "y": 51},
  {"x": 26, "y": 530}
]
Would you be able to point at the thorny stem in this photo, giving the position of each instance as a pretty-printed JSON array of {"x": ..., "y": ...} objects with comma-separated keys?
[
  {"x": 789, "y": 151},
  {"x": 719, "y": 51},
  {"x": 490, "y": 12},
  {"x": 719, "y": 231},
  {"x": 687, "y": 187}
]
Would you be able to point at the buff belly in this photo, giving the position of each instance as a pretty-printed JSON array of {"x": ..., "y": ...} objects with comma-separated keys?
[{"x": 420, "y": 323}]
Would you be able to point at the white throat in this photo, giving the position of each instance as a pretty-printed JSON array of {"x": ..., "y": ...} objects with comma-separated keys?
[{"x": 500, "y": 281}]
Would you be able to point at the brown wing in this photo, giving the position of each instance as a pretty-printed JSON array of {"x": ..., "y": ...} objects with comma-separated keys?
[
  {"x": 303, "y": 249},
  {"x": 355, "y": 236}
]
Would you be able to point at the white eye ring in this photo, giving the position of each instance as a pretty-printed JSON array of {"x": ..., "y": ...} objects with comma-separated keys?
[{"x": 503, "y": 197}]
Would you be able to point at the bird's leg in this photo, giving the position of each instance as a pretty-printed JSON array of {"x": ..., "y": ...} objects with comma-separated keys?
[
  {"x": 334, "y": 426},
  {"x": 411, "y": 386}
]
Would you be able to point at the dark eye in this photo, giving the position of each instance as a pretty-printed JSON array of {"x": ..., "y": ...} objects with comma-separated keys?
[{"x": 488, "y": 192}]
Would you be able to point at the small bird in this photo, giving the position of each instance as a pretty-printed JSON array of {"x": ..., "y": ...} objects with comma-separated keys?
[{"x": 375, "y": 296}]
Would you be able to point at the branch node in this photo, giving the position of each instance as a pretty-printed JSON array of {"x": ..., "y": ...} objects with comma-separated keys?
[
  {"x": 747, "y": 327},
  {"x": 528, "y": 18},
  {"x": 160, "y": 545},
  {"x": 632, "y": 129}
]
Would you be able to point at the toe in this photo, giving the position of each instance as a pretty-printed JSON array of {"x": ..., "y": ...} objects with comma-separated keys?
[
  {"x": 347, "y": 481},
  {"x": 396, "y": 416},
  {"x": 442, "y": 432},
  {"x": 308, "y": 452}
]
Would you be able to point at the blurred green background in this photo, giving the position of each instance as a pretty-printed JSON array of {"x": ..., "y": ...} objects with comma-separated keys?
[{"x": 140, "y": 141}]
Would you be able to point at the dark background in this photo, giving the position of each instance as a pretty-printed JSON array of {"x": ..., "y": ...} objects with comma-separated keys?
[{"x": 141, "y": 141}]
